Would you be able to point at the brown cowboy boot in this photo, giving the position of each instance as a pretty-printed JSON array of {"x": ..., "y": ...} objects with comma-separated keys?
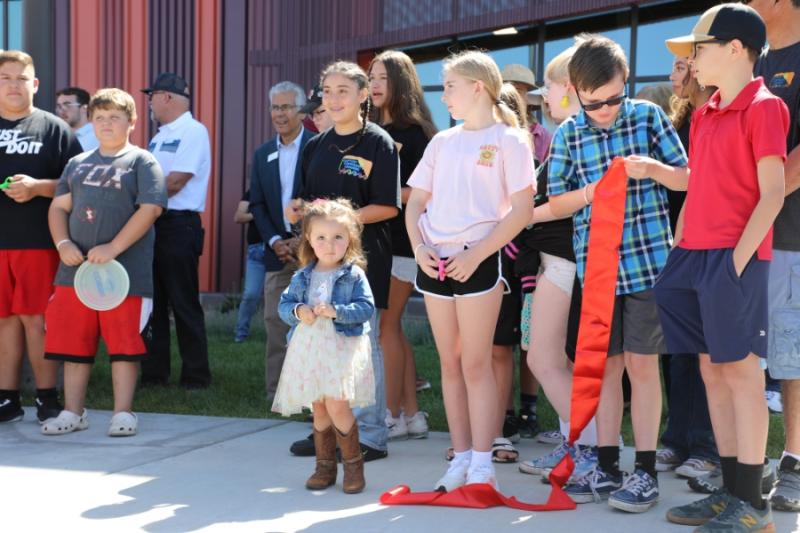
[
  {"x": 352, "y": 460},
  {"x": 325, "y": 474}
]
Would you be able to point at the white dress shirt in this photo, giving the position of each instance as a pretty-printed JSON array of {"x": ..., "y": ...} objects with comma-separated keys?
[
  {"x": 86, "y": 137},
  {"x": 288, "y": 155}
]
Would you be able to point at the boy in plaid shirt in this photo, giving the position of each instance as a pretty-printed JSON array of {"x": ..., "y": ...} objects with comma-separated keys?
[{"x": 611, "y": 125}]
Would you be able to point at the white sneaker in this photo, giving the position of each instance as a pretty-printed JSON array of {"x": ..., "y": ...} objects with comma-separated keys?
[
  {"x": 417, "y": 425},
  {"x": 65, "y": 422},
  {"x": 455, "y": 477},
  {"x": 398, "y": 429},
  {"x": 482, "y": 474},
  {"x": 774, "y": 402},
  {"x": 696, "y": 467}
]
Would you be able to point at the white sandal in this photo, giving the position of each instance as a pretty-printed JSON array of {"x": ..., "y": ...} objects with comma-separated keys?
[
  {"x": 65, "y": 422},
  {"x": 123, "y": 424}
]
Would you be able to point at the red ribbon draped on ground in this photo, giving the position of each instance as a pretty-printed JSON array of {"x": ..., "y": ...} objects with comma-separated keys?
[{"x": 597, "y": 310}]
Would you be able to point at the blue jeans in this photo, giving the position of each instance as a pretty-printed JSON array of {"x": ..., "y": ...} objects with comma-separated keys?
[
  {"x": 372, "y": 429},
  {"x": 254, "y": 272},
  {"x": 689, "y": 430}
]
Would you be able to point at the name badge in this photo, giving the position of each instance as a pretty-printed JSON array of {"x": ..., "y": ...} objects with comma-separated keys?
[{"x": 272, "y": 157}]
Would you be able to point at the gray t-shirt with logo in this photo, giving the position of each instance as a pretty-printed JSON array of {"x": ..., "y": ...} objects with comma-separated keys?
[
  {"x": 106, "y": 192},
  {"x": 781, "y": 71}
]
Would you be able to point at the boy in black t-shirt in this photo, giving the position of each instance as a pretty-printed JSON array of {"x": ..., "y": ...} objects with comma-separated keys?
[{"x": 34, "y": 148}]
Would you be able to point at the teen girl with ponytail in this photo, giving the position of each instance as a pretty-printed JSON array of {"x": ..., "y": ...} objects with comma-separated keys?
[
  {"x": 357, "y": 160},
  {"x": 471, "y": 194},
  {"x": 399, "y": 107}
]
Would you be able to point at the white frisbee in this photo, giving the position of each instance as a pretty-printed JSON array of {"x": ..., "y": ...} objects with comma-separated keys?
[{"x": 102, "y": 286}]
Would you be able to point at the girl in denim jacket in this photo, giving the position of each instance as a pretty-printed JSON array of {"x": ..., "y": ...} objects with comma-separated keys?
[{"x": 328, "y": 364}]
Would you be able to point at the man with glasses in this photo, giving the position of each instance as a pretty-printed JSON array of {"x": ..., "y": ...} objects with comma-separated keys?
[
  {"x": 274, "y": 181},
  {"x": 72, "y": 106},
  {"x": 182, "y": 148}
]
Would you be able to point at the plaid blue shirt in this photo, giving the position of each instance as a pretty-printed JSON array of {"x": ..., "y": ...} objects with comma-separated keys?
[{"x": 581, "y": 153}]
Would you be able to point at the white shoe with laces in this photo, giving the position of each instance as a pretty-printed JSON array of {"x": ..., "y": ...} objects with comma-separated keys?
[
  {"x": 455, "y": 477},
  {"x": 417, "y": 425},
  {"x": 774, "y": 403},
  {"x": 398, "y": 429}
]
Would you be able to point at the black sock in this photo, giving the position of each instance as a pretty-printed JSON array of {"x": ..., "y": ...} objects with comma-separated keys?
[
  {"x": 527, "y": 402},
  {"x": 47, "y": 393},
  {"x": 647, "y": 462},
  {"x": 7, "y": 394},
  {"x": 748, "y": 484},
  {"x": 608, "y": 459},
  {"x": 728, "y": 473}
]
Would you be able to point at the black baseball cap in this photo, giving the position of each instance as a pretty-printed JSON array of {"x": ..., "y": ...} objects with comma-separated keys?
[
  {"x": 169, "y": 82},
  {"x": 313, "y": 102},
  {"x": 724, "y": 22}
]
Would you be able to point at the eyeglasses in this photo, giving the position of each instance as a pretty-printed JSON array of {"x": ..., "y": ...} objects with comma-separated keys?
[
  {"x": 611, "y": 102},
  {"x": 285, "y": 108},
  {"x": 66, "y": 105}
]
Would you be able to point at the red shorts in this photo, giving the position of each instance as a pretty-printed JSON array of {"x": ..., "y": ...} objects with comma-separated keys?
[
  {"x": 72, "y": 329},
  {"x": 26, "y": 281}
]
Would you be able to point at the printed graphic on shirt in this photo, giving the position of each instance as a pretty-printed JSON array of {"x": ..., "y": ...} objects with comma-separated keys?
[
  {"x": 87, "y": 214},
  {"x": 170, "y": 146},
  {"x": 103, "y": 176},
  {"x": 488, "y": 155},
  {"x": 781, "y": 80},
  {"x": 353, "y": 165},
  {"x": 13, "y": 142}
]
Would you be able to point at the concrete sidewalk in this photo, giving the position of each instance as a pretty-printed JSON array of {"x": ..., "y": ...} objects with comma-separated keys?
[{"x": 188, "y": 473}]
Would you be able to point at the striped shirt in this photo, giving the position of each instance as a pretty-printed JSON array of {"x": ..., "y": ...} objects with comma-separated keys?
[{"x": 581, "y": 153}]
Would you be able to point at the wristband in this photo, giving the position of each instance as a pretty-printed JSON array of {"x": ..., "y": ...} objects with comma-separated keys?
[
  {"x": 62, "y": 241},
  {"x": 294, "y": 312},
  {"x": 586, "y": 195}
]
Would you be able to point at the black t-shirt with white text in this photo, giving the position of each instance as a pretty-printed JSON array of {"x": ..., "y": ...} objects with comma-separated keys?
[
  {"x": 39, "y": 145},
  {"x": 253, "y": 236},
  {"x": 781, "y": 72},
  {"x": 369, "y": 174},
  {"x": 411, "y": 143}
]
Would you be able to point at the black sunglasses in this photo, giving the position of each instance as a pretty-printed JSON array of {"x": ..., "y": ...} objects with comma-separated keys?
[{"x": 611, "y": 102}]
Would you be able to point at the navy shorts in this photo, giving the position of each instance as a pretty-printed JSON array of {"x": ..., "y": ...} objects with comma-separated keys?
[{"x": 705, "y": 307}]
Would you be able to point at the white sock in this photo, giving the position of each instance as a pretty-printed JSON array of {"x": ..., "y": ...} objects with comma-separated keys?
[
  {"x": 792, "y": 455},
  {"x": 588, "y": 435},
  {"x": 480, "y": 459},
  {"x": 460, "y": 457}
]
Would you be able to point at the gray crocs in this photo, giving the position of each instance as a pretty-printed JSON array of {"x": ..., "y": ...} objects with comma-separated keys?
[{"x": 65, "y": 422}]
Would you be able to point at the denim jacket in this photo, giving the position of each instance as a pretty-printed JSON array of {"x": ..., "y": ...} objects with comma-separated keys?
[{"x": 351, "y": 297}]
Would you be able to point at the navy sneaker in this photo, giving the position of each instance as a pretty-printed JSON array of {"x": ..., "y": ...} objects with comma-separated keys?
[
  {"x": 638, "y": 494},
  {"x": 595, "y": 486},
  {"x": 740, "y": 517}
]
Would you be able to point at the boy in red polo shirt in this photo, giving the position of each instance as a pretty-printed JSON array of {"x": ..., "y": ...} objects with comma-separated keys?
[{"x": 712, "y": 294}]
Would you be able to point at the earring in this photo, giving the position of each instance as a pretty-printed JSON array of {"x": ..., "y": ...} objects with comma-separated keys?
[{"x": 564, "y": 103}]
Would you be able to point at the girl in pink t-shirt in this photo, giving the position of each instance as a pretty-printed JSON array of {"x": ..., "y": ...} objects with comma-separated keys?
[{"x": 472, "y": 192}]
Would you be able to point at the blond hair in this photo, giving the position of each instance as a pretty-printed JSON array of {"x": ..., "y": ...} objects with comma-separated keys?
[
  {"x": 510, "y": 96},
  {"x": 339, "y": 210},
  {"x": 115, "y": 100},
  {"x": 477, "y": 66},
  {"x": 16, "y": 56}
]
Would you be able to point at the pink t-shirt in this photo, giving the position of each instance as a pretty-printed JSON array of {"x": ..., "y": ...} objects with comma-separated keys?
[{"x": 471, "y": 175}]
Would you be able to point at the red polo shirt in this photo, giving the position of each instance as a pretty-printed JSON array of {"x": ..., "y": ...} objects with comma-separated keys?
[{"x": 725, "y": 146}]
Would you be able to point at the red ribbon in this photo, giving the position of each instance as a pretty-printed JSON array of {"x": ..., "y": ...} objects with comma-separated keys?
[{"x": 597, "y": 311}]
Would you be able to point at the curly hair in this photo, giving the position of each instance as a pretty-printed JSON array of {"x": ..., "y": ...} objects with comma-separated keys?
[{"x": 339, "y": 210}]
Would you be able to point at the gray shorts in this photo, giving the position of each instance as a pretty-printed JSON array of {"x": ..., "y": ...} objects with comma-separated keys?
[
  {"x": 783, "y": 347},
  {"x": 635, "y": 326}
]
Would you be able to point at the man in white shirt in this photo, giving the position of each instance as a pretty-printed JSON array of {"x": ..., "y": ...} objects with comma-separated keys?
[
  {"x": 72, "y": 106},
  {"x": 274, "y": 181},
  {"x": 182, "y": 148}
]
